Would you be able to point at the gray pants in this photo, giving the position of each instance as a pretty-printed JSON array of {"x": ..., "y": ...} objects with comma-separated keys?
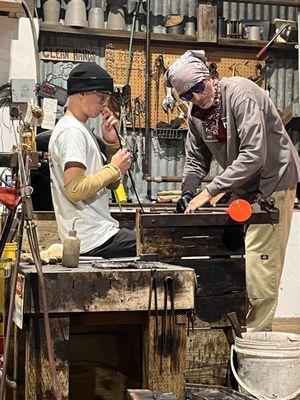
[{"x": 123, "y": 244}]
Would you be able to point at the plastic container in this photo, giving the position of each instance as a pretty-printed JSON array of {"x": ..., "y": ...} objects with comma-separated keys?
[
  {"x": 10, "y": 251},
  {"x": 71, "y": 250},
  {"x": 268, "y": 364},
  {"x": 4, "y": 273}
]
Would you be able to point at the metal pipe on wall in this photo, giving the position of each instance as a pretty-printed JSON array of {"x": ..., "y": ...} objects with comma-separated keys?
[{"x": 147, "y": 98}]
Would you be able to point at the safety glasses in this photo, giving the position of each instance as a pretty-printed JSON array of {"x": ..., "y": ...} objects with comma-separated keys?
[
  {"x": 103, "y": 96},
  {"x": 198, "y": 88}
]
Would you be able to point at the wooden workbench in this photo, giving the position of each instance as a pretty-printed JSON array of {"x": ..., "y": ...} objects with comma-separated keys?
[
  {"x": 104, "y": 337},
  {"x": 213, "y": 244}
]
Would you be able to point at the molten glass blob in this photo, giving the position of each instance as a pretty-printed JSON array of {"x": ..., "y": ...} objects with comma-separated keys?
[{"x": 240, "y": 210}]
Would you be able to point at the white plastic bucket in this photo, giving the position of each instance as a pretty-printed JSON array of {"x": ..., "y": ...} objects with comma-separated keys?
[{"x": 268, "y": 364}]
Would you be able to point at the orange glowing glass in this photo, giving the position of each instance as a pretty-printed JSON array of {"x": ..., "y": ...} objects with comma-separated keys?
[{"x": 240, "y": 210}]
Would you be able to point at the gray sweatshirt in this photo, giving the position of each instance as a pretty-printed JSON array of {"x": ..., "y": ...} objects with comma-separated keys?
[{"x": 258, "y": 157}]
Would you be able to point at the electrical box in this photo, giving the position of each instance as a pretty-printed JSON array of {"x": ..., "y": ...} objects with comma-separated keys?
[{"x": 22, "y": 90}]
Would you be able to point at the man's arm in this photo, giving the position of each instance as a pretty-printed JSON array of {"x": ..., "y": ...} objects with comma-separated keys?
[
  {"x": 252, "y": 154},
  {"x": 79, "y": 187},
  {"x": 197, "y": 165},
  {"x": 198, "y": 160}
]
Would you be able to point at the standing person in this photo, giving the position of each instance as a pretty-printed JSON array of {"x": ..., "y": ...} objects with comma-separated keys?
[
  {"x": 235, "y": 121},
  {"x": 80, "y": 173}
]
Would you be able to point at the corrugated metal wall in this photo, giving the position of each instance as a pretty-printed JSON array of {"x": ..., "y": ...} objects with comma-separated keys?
[
  {"x": 283, "y": 77},
  {"x": 235, "y": 11}
]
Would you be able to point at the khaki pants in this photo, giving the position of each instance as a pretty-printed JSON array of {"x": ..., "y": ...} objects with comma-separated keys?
[{"x": 265, "y": 252}]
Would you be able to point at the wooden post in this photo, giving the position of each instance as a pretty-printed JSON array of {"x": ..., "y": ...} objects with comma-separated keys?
[
  {"x": 207, "y": 23},
  {"x": 38, "y": 381},
  {"x": 165, "y": 372}
]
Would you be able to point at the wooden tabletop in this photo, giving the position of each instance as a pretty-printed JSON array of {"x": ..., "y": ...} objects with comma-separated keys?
[{"x": 112, "y": 286}]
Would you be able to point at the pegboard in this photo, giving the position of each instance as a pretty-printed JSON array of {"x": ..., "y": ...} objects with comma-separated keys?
[{"x": 230, "y": 62}]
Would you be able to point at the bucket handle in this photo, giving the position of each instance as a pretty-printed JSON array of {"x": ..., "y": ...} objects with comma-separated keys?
[{"x": 246, "y": 388}]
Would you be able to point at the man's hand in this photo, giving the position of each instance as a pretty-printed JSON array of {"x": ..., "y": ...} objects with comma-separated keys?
[
  {"x": 109, "y": 123},
  {"x": 122, "y": 159},
  {"x": 183, "y": 202},
  {"x": 198, "y": 201}
]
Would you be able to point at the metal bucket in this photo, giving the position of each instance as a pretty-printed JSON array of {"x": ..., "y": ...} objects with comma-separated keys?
[
  {"x": 76, "y": 14},
  {"x": 51, "y": 10},
  {"x": 96, "y": 18},
  {"x": 116, "y": 16}
]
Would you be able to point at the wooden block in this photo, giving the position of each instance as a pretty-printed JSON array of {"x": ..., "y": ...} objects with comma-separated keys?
[
  {"x": 12, "y": 6},
  {"x": 212, "y": 310},
  {"x": 221, "y": 288},
  {"x": 207, "y": 357},
  {"x": 183, "y": 241},
  {"x": 207, "y": 23},
  {"x": 111, "y": 287},
  {"x": 218, "y": 276}
]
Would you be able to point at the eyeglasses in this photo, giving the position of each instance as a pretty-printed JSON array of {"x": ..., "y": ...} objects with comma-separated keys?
[
  {"x": 198, "y": 88},
  {"x": 103, "y": 96}
]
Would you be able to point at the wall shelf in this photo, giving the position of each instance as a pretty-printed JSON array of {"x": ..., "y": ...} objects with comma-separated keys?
[{"x": 172, "y": 40}]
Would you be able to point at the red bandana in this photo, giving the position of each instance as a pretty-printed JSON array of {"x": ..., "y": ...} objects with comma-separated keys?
[{"x": 212, "y": 116}]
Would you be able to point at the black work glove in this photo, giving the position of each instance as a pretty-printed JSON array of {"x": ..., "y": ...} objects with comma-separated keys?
[{"x": 183, "y": 202}]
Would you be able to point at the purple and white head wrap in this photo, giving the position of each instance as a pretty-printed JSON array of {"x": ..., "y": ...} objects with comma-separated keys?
[{"x": 187, "y": 70}]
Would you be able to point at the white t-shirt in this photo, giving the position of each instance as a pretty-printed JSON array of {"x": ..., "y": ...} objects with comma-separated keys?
[{"x": 72, "y": 141}]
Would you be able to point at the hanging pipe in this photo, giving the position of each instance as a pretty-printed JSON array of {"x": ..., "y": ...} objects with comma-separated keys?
[{"x": 147, "y": 100}]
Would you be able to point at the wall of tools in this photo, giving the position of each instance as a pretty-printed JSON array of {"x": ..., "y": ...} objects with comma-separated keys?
[
  {"x": 252, "y": 24},
  {"x": 164, "y": 107}
]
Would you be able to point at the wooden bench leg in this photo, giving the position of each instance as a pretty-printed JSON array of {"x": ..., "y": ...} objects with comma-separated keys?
[
  {"x": 165, "y": 372},
  {"x": 38, "y": 381}
]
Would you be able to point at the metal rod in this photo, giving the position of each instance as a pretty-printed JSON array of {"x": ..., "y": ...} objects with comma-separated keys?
[
  {"x": 147, "y": 100},
  {"x": 174, "y": 179},
  {"x": 122, "y": 123},
  {"x": 35, "y": 41},
  {"x": 129, "y": 60}
]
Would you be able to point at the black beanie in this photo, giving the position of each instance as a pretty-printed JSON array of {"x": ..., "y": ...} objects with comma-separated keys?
[{"x": 89, "y": 76}]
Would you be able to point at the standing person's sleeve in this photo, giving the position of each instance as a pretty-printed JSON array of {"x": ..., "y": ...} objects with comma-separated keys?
[
  {"x": 251, "y": 129},
  {"x": 198, "y": 160}
]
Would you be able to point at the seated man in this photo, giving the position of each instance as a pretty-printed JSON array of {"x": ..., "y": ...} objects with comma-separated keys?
[{"x": 80, "y": 173}]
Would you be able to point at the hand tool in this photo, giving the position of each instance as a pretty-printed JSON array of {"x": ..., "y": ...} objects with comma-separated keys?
[{"x": 235, "y": 324}]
